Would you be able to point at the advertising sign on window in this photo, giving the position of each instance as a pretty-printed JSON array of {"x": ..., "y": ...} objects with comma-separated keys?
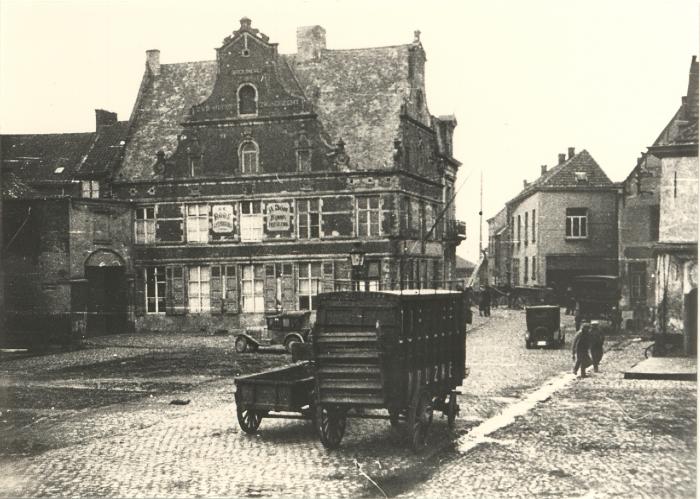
[
  {"x": 222, "y": 218},
  {"x": 278, "y": 216}
]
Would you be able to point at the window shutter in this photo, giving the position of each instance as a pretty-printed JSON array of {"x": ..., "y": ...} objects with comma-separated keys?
[
  {"x": 176, "y": 291},
  {"x": 270, "y": 287},
  {"x": 215, "y": 290},
  {"x": 139, "y": 293},
  {"x": 327, "y": 284},
  {"x": 231, "y": 292}
]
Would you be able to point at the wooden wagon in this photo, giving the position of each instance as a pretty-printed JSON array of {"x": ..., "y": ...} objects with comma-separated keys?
[{"x": 403, "y": 352}]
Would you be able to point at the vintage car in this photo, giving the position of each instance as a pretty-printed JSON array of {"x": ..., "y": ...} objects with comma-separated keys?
[
  {"x": 285, "y": 328},
  {"x": 597, "y": 298},
  {"x": 543, "y": 327}
]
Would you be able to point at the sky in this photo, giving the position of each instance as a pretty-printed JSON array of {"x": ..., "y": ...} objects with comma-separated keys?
[{"x": 525, "y": 80}]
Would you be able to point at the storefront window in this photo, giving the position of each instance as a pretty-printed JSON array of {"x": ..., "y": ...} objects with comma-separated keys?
[
  {"x": 198, "y": 289},
  {"x": 252, "y": 288},
  {"x": 309, "y": 280},
  {"x": 155, "y": 289}
]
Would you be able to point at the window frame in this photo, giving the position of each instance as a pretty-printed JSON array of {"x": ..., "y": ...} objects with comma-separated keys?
[
  {"x": 305, "y": 215},
  {"x": 246, "y": 218},
  {"x": 312, "y": 283},
  {"x": 238, "y": 100},
  {"x": 257, "y": 299},
  {"x": 157, "y": 272},
  {"x": 366, "y": 213},
  {"x": 197, "y": 220},
  {"x": 575, "y": 221},
  {"x": 90, "y": 189},
  {"x": 147, "y": 225},
  {"x": 203, "y": 298},
  {"x": 242, "y": 154}
]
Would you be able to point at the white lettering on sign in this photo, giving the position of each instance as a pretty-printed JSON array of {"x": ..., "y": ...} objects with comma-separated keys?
[
  {"x": 222, "y": 218},
  {"x": 278, "y": 216}
]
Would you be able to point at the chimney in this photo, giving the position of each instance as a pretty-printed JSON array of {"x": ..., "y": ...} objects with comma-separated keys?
[
  {"x": 543, "y": 169},
  {"x": 311, "y": 41},
  {"x": 103, "y": 118},
  {"x": 153, "y": 61},
  {"x": 572, "y": 152},
  {"x": 562, "y": 158}
]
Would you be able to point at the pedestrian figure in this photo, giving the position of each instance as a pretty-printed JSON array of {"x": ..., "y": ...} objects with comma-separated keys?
[
  {"x": 580, "y": 348},
  {"x": 485, "y": 302},
  {"x": 597, "y": 340},
  {"x": 570, "y": 300}
]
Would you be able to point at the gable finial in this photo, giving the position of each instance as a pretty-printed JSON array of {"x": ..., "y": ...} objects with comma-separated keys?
[
  {"x": 245, "y": 23},
  {"x": 416, "y": 36}
]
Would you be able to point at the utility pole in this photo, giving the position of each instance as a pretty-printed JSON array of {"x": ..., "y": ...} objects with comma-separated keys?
[{"x": 481, "y": 211}]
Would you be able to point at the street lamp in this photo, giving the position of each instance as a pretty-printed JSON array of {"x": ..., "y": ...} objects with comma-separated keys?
[{"x": 357, "y": 260}]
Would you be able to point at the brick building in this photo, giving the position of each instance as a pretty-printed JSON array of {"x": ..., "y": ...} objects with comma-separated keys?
[
  {"x": 66, "y": 249},
  {"x": 499, "y": 249},
  {"x": 676, "y": 251},
  {"x": 253, "y": 177},
  {"x": 561, "y": 225}
]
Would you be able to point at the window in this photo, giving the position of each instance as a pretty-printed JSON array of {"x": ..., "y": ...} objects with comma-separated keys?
[
  {"x": 405, "y": 214},
  {"x": 368, "y": 216},
  {"x": 516, "y": 271},
  {"x": 581, "y": 177},
  {"x": 526, "y": 274},
  {"x": 534, "y": 269},
  {"x": 252, "y": 288},
  {"x": 309, "y": 280},
  {"x": 251, "y": 221},
  {"x": 248, "y": 153},
  {"x": 525, "y": 233},
  {"x": 518, "y": 238},
  {"x": 145, "y": 225},
  {"x": 155, "y": 290},
  {"x": 512, "y": 228},
  {"x": 91, "y": 188},
  {"x": 198, "y": 289},
  {"x": 534, "y": 238},
  {"x": 197, "y": 223},
  {"x": 309, "y": 218},
  {"x": 577, "y": 223},
  {"x": 637, "y": 275},
  {"x": 247, "y": 100},
  {"x": 654, "y": 221}
]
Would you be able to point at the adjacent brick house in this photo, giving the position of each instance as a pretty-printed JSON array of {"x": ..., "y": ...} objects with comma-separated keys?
[
  {"x": 677, "y": 248},
  {"x": 253, "y": 176},
  {"x": 562, "y": 225},
  {"x": 66, "y": 252}
]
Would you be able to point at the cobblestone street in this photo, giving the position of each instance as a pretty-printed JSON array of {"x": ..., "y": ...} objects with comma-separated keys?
[{"x": 99, "y": 422}]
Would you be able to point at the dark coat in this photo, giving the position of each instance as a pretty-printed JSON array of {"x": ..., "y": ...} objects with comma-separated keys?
[
  {"x": 581, "y": 346},
  {"x": 597, "y": 340}
]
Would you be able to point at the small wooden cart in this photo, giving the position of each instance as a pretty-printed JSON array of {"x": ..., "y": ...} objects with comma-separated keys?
[
  {"x": 399, "y": 351},
  {"x": 285, "y": 392}
]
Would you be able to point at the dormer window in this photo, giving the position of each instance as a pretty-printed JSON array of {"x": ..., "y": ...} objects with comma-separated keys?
[
  {"x": 247, "y": 100},
  {"x": 581, "y": 177},
  {"x": 303, "y": 152},
  {"x": 248, "y": 157},
  {"x": 90, "y": 189}
]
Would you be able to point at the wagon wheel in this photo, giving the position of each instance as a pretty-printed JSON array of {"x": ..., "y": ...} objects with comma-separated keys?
[
  {"x": 452, "y": 410},
  {"x": 419, "y": 418},
  {"x": 241, "y": 344},
  {"x": 330, "y": 424},
  {"x": 394, "y": 417},
  {"x": 248, "y": 419},
  {"x": 289, "y": 341}
]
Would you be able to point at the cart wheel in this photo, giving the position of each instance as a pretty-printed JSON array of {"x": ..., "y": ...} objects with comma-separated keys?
[
  {"x": 241, "y": 344},
  {"x": 330, "y": 424},
  {"x": 419, "y": 420},
  {"x": 452, "y": 409},
  {"x": 289, "y": 342},
  {"x": 248, "y": 419},
  {"x": 394, "y": 417}
]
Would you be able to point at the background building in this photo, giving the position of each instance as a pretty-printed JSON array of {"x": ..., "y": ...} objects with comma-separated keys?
[
  {"x": 677, "y": 249},
  {"x": 254, "y": 176},
  {"x": 559, "y": 226}
]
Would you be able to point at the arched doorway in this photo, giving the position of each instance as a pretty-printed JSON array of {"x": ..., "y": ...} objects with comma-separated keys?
[{"x": 106, "y": 293}]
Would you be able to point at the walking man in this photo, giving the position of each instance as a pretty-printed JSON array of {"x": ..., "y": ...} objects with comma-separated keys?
[
  {"x": 597, "y": 340},
  {"x": 580, "y": 348}
]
